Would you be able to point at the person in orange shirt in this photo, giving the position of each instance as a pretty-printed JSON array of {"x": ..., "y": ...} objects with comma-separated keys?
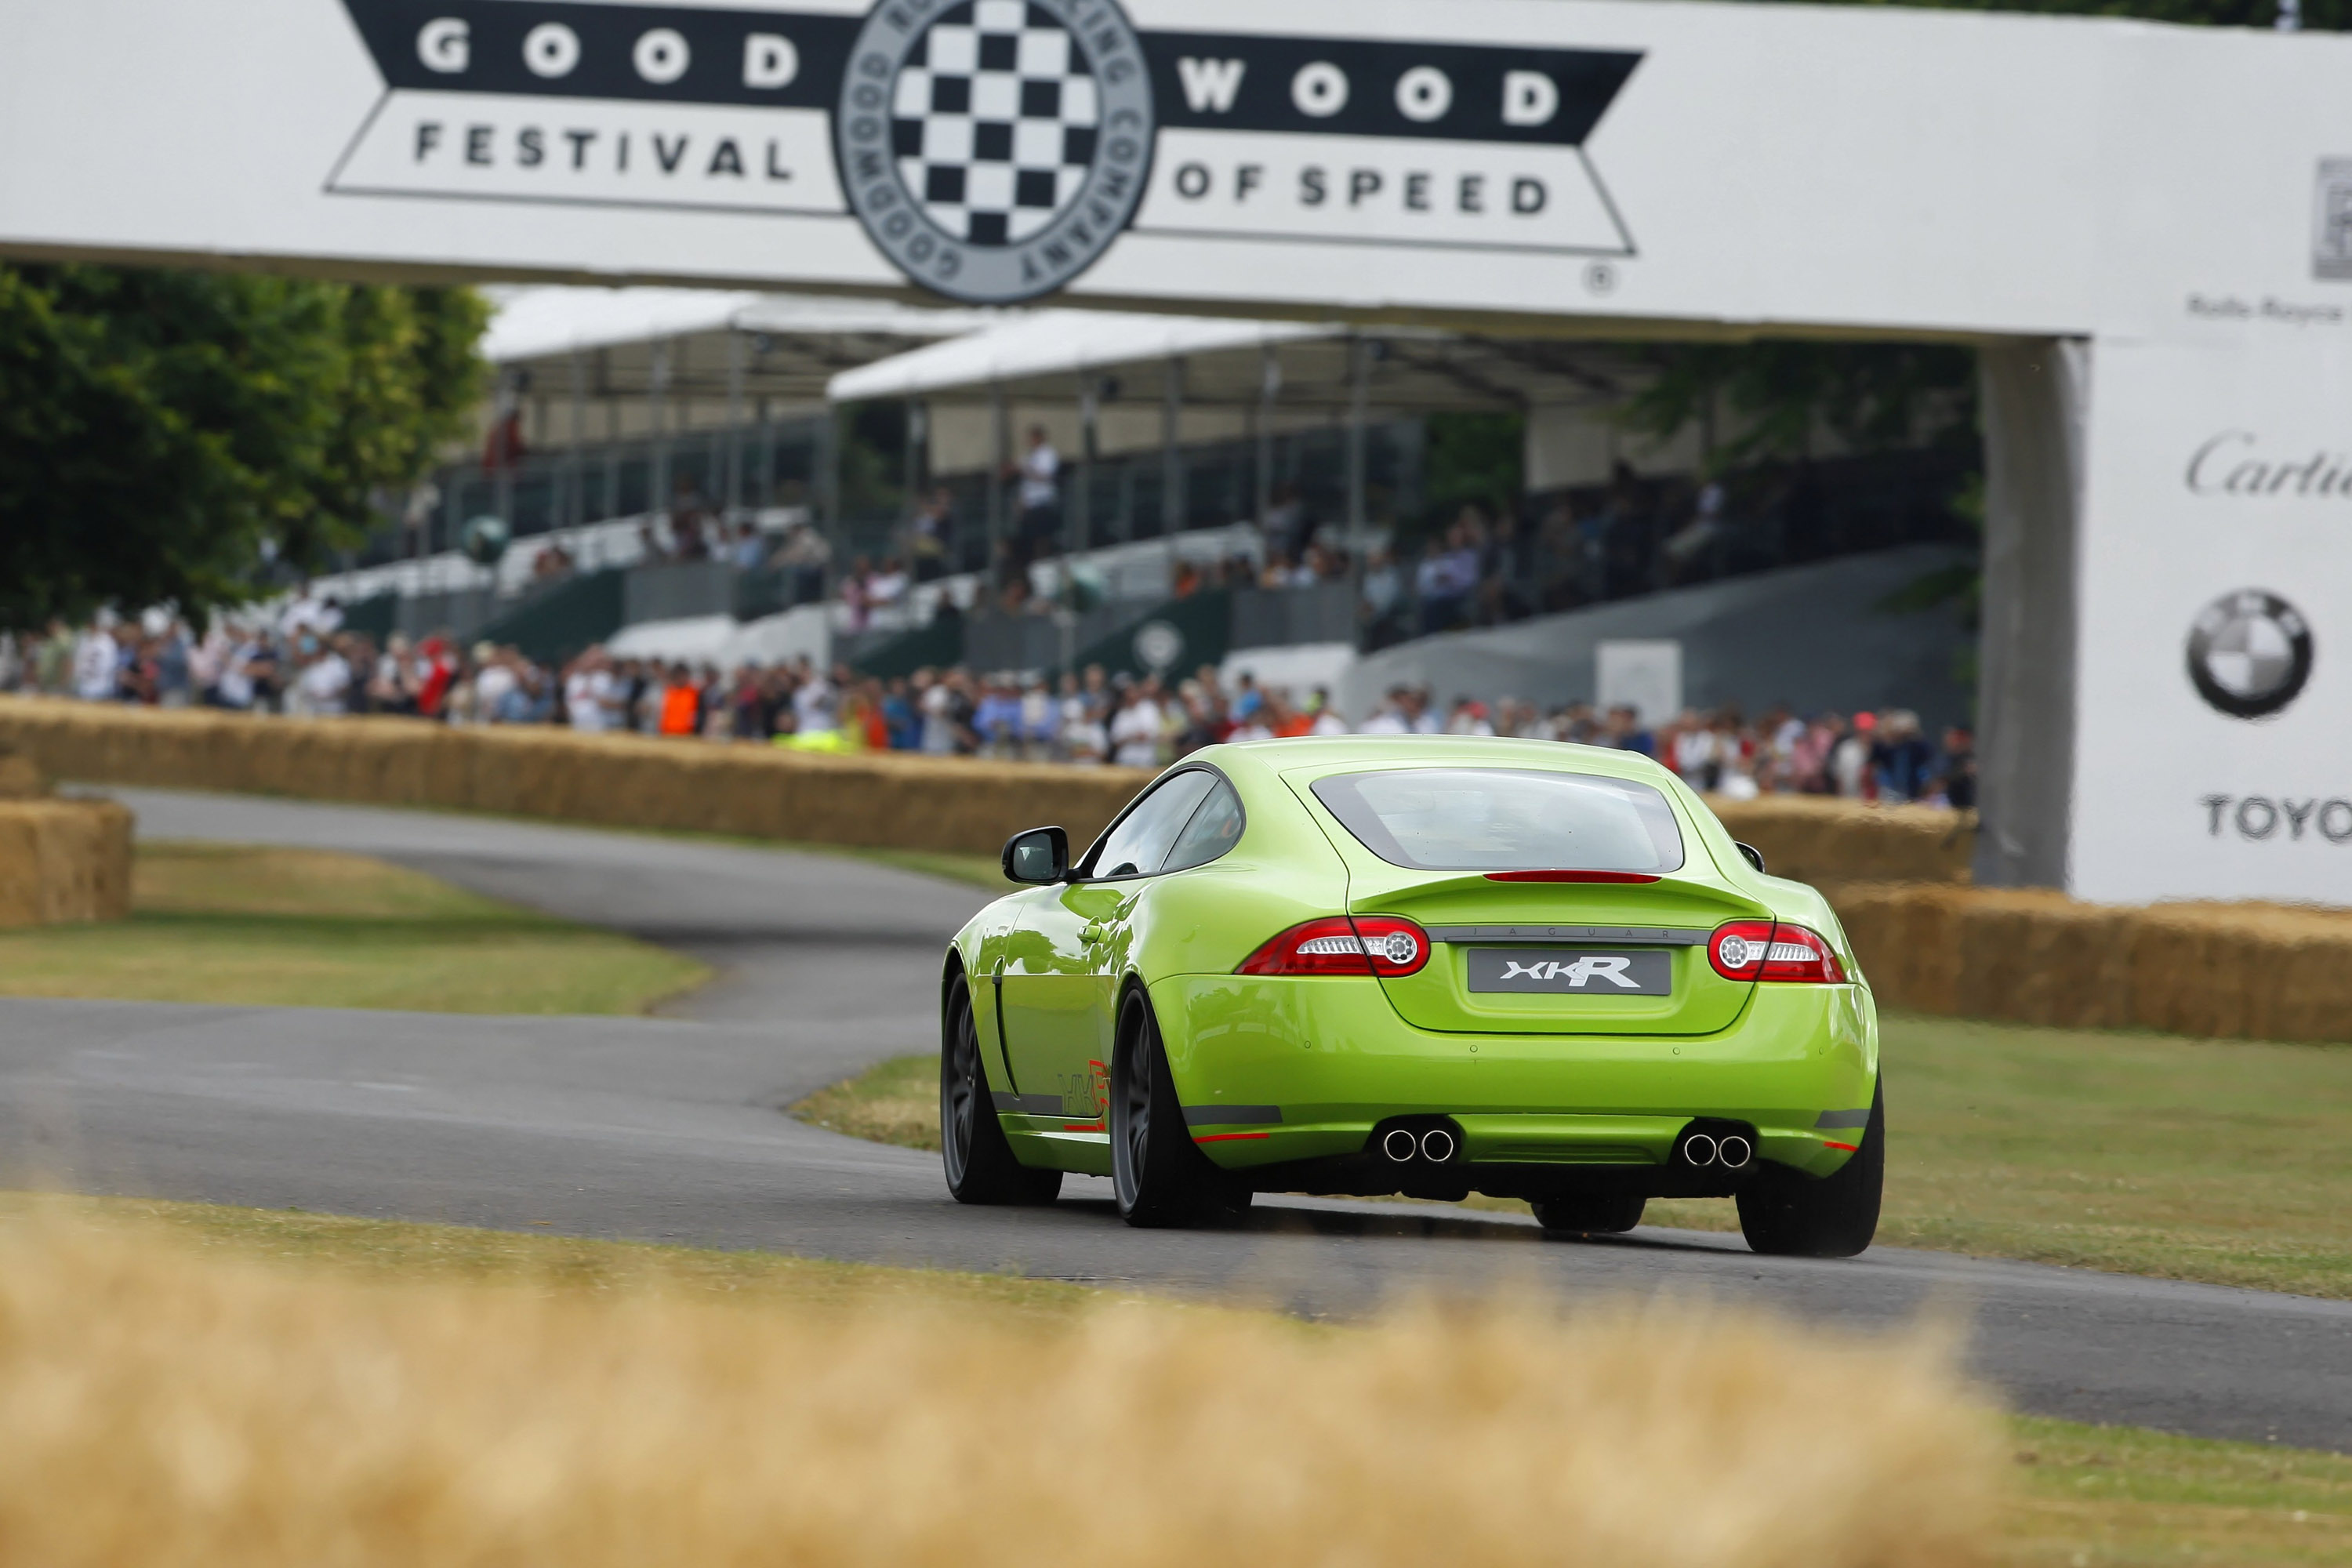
[
  {"x": 681, "y": 704},
  {"x": 1286, "y": 721}
]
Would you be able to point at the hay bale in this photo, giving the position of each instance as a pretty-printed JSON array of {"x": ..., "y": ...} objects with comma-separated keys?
[
  {"x": 21, "y": 778},
  {"x": 2255, "y": 971},
  {"x": 64, "y": 861},
  {"x": 1903, "y": 936},
  {"x": 1815, "y": 839}
]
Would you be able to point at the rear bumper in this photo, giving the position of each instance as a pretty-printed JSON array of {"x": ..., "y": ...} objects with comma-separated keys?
[{"x": 1279, "y": 1070}]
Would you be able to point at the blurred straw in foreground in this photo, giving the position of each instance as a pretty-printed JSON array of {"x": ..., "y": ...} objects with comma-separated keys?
[{"x": 160, "y": 1405}]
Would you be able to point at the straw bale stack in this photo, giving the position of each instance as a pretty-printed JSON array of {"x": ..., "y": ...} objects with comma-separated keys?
[
  {"x": 1819, "y": 838},
  {"x": 1898, "y": 875},
  {"x": 623, "y": 781},
  {"x": 2031, "y": 956},
  {"x": 63, "y": 860}
]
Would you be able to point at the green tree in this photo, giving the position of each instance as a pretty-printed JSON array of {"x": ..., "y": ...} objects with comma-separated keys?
[
  {"x": 1472, "y": 458},
  {"x": 164, "y": 433}
]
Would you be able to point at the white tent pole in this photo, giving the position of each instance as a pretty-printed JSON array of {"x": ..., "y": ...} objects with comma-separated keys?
[
  {"x": 1358, "y": 392},
  {"x": 918, "y": 434},
  {"x": 1082, "y": 494},
  {"x": 827, "y": 466},
  {"x": 575, "y": 496},
  {"x": 764, "y": 454},
  {"x": 1172, "y": 457},
  {"x": 1269, "y": 387},
  {"x": 734, "y": 423},
  {"x": 1000, "y": 454},
  {"x": 657, "y": 412},
  {"x": 612, "y": 401}
]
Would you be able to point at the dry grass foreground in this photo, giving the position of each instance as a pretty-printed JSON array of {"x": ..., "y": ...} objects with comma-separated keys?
[
  {"x": 257, "y": 926},
  {"x": 165, "y": 1404}
]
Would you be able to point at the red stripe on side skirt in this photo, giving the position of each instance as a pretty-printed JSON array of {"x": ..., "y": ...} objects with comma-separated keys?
[
  {"x": 1849, "y": 1148},
  {"x": 1099, "y": 1127},
  {"x": 1225, "y": 1137}
]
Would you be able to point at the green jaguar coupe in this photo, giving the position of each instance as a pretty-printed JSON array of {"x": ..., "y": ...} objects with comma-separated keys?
[{"x": 1430, "y": 965}]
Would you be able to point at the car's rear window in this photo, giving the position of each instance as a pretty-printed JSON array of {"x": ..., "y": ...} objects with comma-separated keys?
[{"x": 1505, "y": 820}]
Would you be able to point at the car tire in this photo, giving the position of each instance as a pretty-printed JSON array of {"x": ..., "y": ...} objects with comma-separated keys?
[
  {"x": 978, "y": 1157},
  {"x": 1589, "y": 1216},
  {"x": 1792, "y": 1215},
  {"x": 1157, "y": 1175}
]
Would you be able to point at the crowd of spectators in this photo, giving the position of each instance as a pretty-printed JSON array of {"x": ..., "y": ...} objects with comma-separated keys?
[{"x": 302, "y": 660}]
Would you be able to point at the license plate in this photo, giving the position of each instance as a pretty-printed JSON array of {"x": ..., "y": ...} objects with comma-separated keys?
[{"x": 1601, "y": 971}]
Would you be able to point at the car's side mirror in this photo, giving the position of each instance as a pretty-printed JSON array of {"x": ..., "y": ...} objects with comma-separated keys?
[
  {"x": 1039, "y": 855},
  {"x": 1749, "y": 853}
]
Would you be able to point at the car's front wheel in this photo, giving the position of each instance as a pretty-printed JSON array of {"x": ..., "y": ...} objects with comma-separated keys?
[
  {"x": 1159, "y": 1177},
  {"x": 1787, "y": 1212},
  {"x": 980, "y": 1168},
  {"x": 1589, "y": 1216}
]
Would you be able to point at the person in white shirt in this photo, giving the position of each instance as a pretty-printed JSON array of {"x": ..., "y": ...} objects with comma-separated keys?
[
  {"x": 1327, "y": 718},
  {"x": 590, "y": 701},
  {"x": 324, "y": 686},
  {"x": 96, "y": 659},
  {"x": 1134, "y": 730},
  {"x": 1041, "y": 496},
  {"x": 887, "y": 589},
  {"x": 494, "y": 681},
  {"x": 812, "y": 704},
  {"x": 1389, "y": 718}
]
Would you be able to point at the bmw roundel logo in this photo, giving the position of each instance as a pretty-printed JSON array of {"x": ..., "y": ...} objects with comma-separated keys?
[
  {"x": 993, "y": 149},
  {"x": 2249, "y": 653}
]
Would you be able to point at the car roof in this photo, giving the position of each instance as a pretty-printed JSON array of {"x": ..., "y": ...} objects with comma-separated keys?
[{"x": 1314, "y": 755}]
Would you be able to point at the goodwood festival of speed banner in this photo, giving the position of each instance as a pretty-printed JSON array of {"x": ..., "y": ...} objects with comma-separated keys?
[{"x": 990, "y": 149}]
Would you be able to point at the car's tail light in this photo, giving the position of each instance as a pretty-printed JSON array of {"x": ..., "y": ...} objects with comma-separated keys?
[
  {"x": 1395, "y": 946},
  {"x": 1369, "y": 944},
  {"x": 1759, "y": 950},
  {"x": 1627, "y": 878}
]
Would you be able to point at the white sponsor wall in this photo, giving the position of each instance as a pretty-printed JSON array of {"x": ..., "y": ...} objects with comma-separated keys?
[
  {"x": 2221, "y": 495},
  {"x": 2181, "y": 199}
]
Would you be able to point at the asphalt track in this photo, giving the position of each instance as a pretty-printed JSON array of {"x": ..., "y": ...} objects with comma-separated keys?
[{"x": 672, "y": 1129}]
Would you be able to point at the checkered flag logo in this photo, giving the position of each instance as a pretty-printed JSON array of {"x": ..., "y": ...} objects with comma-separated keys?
[
  {"x": 995, "y": 149},
  {"x": 993, "y": 120}
]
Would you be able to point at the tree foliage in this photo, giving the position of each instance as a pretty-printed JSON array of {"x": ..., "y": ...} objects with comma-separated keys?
[
  {"x": 1472, "y": 459},
  {"x": 1777, "y": 394},
  {"x": 165, "y": 434}
]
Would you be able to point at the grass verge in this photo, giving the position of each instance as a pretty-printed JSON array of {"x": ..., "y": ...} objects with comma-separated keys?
[
  {"x": 266, "y": 927},
  {"x": 176, "y": 1386},
  {"x": 897, "y": 1103},
  {"x": 2135, "y": 1153}
]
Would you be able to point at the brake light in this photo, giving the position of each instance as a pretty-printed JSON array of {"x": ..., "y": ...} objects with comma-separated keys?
[
  {"x": 1612, "y": 877},
  {"x": 1759, "y": 950},
  {"x": 1369, "y": 944}
]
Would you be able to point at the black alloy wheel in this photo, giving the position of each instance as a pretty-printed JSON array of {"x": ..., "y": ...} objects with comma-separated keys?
[
  {"x": 1792, "y": 1215},
  {"x": 1157, "y": 1175},
  {"x": 978, "y": 1158},
  {"x": 1604, "y": 1216}
]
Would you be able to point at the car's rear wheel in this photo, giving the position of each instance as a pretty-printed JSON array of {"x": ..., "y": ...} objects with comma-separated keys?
[
  {"x": 978, "y": 1157},
  {"x": 1158, "y": 1175},
  {"x": 1589, "y": 1216},
  {"x": 1788, "y": 1213}
]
